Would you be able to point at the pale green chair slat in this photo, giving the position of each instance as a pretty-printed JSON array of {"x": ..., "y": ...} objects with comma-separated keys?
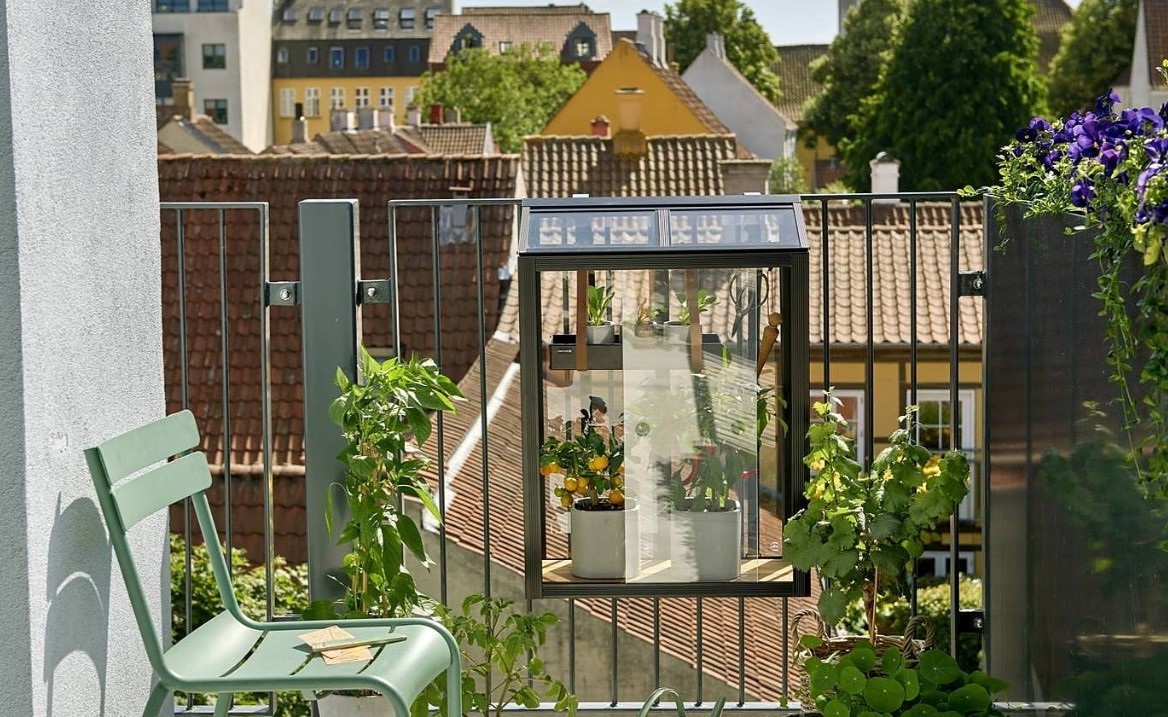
[
  {"x": 153, "y": 443},
  {"x": 232, "y": 653},
  {"x": 148, "y": 493}
]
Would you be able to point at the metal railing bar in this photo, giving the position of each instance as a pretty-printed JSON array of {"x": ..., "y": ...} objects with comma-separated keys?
[
  {"x": 786, "y": 648},
  {"x": 224, "y": 346},
  {"x": 700, "y": 658},
  {"x": 179, "y": 206},
  {"x": 394, "y": 309},
  {"x": 869, "y": 343},
  {"x": 483, "y": 424},
  {"x": 184, "y": 370},
  {"x": 572, "y": 645},
  {"x": 615, "y": 676},
  {"x": 825, "y": 305},
  {"x": 436, "y": 275},
  {"x": 954, "y": 377},
  {"x": 898, "y": 196},
  {"x": 266, "y": 417},
  {"x": 458, "y": 202},
  {"x": 912, "y": 350},
  {"x": 656, "y": 641},
  {"x": 741, "y": 651}
]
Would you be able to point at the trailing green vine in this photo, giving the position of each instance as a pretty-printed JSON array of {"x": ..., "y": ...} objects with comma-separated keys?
[{"x": 1111, "y": 168}]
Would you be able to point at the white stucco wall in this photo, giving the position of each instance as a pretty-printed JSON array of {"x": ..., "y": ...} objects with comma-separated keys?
[
  {"x": 758, "y": 125},
  {"x": 80, "y": 346},
  {"x": 255, "y": 73}
]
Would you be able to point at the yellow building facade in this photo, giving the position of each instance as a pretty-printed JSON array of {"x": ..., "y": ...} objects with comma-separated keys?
[
  {"x": 668, "y": 106},
  {"x": 318, "y": 95}
]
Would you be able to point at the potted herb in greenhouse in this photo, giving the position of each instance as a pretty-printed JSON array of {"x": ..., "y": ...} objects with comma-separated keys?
[
  {"x": 588, "y": 462},
  {"x": 678, "y": 331},
  {"x": 383, "y": 419},
  {"x": 600, "y": 329}
]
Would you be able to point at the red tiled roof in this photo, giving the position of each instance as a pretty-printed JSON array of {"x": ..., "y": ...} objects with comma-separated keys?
[
  {"x": 673, "y": 166},
  {"x": 453, "y": 138},
  {"x": 461, "y": 138},
  {"x": 794, "y": 71}
]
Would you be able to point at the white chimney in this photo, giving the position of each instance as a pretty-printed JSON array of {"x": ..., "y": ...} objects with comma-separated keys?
[
  {"x": 367, "y": 118},
  {"x": 651, "y": 36},
  {"x": 716, "y": 44},
  {"x": 299, "y": 130},
  {"x": 342, "y": 120},
  {"x": 885, "y": 176},
  {"x": 413, "y": 116},
  {"x": 385, "y": 118},
  {"x": 182, "y": 93}
]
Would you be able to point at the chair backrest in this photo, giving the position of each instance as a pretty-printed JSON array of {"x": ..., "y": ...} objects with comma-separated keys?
[{"x": 127, "y": 494}]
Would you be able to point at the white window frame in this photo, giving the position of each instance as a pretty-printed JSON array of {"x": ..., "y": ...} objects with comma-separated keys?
[
  {"x": 385, "y": 98},
  {"x": 411, "y": 94},
  {"x": 361, "y": 97},
  {"x": 966, "y": 398},
  {"x": 287, "y": 101},
  {"x": 334, "y": 53},
  {"x": 856, "y": 422},
  {"x": 312, "y": 102}
]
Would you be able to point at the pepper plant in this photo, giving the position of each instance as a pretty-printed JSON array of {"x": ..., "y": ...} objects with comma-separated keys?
[{"x": 384, "y": 418}]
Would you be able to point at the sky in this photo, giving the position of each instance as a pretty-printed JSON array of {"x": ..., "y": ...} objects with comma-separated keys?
[{"x": 788, "y": 22}]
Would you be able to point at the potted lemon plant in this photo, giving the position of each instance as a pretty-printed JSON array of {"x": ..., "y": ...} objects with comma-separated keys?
[{"x": 588, "y": 462}]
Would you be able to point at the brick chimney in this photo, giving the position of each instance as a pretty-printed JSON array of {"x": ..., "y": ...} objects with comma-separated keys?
[
  {"x": 436, "y": 113},
  {"x": 716, "y": 44},
  {"x": 745, "y": 176},
  {"x": 182, "y": 93},
  {"x": 885, "y": 176},
  {"x": 600, "y": 126},
  {"x": 629, "y": 139},
  {"x": 651, "y": 36}
]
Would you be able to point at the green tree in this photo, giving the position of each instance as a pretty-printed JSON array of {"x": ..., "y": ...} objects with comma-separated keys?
[
  {"x": 748, "y": 48},
  {"x": 786, "y": 177},
  {"x": 849, "y": 71},
  {"x": 1096, "y": 46},
  {"x": 959, "y": 83},
  {"x": 517, "y": 91}
]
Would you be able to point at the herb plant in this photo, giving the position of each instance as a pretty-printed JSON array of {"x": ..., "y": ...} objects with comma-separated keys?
[
  {"x": 383, "y": 419},
  {"x": 500, "y": 662},
  {"x": 1110, "y": 167},
  {"x": 862, "y": 528},
  {"x": 599, "y": 299},
  {"x": 705, "y": 301}
]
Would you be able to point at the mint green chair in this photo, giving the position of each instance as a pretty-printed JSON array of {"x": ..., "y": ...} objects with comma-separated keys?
[{"x": 233, "y": 653}]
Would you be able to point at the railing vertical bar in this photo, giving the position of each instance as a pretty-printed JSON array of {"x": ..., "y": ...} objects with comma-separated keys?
[
  {"x": 485, "y": 441},
  {"x": 435, "y": 258},
  {"x": 786, "y": 648},
  {"x": 869, "y": 343},
  {"x": 913, "y": 341},
  {"x": 615, "y": 675},
  {"x": 394, "y": 309},
  {"x": 266, "y": 416},
  {"x": 184, "y": 369},
  {"x": 741, "y": 651},
  {"x": 954, "y": 377},
  {"x": 571, "y": 644},
  {"x": 224, "y": 345},
  {"x": 656, "y": 642},
  {"x": 701, "y": 655},
  {"x": 824, "y": 253}
]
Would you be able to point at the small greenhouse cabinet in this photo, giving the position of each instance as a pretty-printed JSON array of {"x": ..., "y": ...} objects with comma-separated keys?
[{"x": 654, "y": 335}]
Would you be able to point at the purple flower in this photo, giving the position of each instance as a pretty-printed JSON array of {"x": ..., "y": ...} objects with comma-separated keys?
[
  {"x": 1082, "y": 192},
  {"x": 1104, "y": 105},
  {"x": 1156, "y": 148},
  {"x": 1111, "y": 155}
]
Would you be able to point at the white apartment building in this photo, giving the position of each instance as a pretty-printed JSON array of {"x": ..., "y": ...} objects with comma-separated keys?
[{"x": 224, "y": 48}]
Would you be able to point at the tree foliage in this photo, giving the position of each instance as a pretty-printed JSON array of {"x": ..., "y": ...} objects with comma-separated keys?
[
  {"x": 517, "y": 91},
  {"x": 958, "y": 84},
  {"x": 748, "y": 48},
  {"x": 849, "y": 71},
  {"x": 1096, "y": 47}
]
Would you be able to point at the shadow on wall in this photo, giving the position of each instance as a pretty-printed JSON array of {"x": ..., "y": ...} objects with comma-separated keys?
[{"x": 77, "y": 592}]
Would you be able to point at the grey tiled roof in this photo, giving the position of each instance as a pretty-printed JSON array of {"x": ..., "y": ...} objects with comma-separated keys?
[
  {"x": 521, "y": 26},
  {"x": 794, "y": 71}
]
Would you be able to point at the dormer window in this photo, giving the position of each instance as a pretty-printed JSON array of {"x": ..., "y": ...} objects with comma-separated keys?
[
  {"x": 335, "y": 16},
  {"x": 584, "y": 49},
  {"x": 316, "y": 14},
  {"x": 431, "y": 13},
  {"x": 289, "y": 14},
  {"x": 581, "y": 44},
  {"x": 354, "y": 17},
  {"x": 504, "y": 46},
  {"x": 381, "y": 18},
  {"x": 407, "y": 17},
  {"x": 467, "y": 38}
]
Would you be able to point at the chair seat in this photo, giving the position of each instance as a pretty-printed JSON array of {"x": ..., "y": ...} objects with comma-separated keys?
[{"x": 276, "y": 658}]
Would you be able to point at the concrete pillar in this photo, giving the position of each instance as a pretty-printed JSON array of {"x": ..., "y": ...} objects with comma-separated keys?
[{"x": 80, "y": 347}]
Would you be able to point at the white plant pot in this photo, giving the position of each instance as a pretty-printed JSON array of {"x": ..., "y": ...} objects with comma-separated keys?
[
  {"x": 349, "y": 706},
  {"x": 605, "y": 544},
  {"x": 707, "y": 545},
  {"x": 676, "y": 332},
  {"x": 603, "y": 334}
]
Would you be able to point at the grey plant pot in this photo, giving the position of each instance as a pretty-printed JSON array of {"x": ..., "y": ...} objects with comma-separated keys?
[
  {"x": 605, "y": 544},
  {"x": 603, "y": 334},
  {"x": 676, "y": 332},
  {"x": 706, "y": 546}
]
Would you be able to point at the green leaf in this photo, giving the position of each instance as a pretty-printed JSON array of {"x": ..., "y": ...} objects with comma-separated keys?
[
  {"x": 970, "y": 698},
  {"x": 920, "y": 710},
  {"x": 892, "y": 662},
  {"x": 991, "y": 685},
  {"x": 832, "y": 605},
  {"x": 851, "y": 680},
  {"x": 863, "y": 657},
  {"x": 835, "y": 708},
  {"x": 911, "y": 683},
  {"x": 412, "y": 538},
  {"x": 938, "y": 667},
  {"x": 884, "y": 525},
  {"x": 824, "y": 679},
  {"x": 319, "y": 610},
  {"x": 884, "y": 694}
]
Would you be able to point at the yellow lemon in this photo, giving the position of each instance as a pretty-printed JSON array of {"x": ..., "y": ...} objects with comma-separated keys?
[
  {"x": 598, "y": 463},
  {"x": 565, "y": 500},
  {"x": 616, "y": 498},
  {"x": 570, "y": 484},
  {"x": 583, "y": 483},
  {"x": 548, "y": 469},
  {"x": 618, "y": 481}
]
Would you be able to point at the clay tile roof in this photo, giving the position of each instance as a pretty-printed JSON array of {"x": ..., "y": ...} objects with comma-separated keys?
[
  {"x": 673, "y": 166},
  {"x": 794, "y": 71},
  {"x": 892, "y": 310},
  {"x": 369, "y": 141},
  {"x": 199, "y": 136},
  {"x": 283, "y": 181},
  {"x": 453, "y": 138},
  {"x": 164, "y": 149},
  {"x": 532, "y": 26},
  {"x": 1049, "y": 18},
  {"x": 1156, "y": 23}
]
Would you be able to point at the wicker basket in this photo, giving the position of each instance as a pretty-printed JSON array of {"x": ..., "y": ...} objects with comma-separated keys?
[{"x": 908, "y": 645}]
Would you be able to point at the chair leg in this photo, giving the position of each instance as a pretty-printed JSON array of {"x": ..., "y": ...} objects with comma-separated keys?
[
  {"x": 223, "y": 703},
  {"x": 154, "y": 703}
]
